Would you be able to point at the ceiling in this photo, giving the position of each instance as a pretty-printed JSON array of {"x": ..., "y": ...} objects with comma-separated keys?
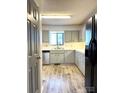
[{"x": 80, "y": 10}]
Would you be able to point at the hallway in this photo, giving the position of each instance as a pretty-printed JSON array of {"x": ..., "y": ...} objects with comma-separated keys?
[{"x": 62, "y": 79}]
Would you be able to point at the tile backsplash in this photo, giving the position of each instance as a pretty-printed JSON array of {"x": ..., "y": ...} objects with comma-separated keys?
[{"x": 66, "y": 46}]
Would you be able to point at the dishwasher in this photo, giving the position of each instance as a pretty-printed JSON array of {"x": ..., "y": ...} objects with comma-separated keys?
[{"x": 46, "y": 54}]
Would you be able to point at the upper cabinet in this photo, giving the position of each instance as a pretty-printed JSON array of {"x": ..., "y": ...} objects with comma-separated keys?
[
  {"x": 71, "y": 36},
  {"x": 67, "y": 36},
  {"x": 82, "y": 34},
  {"x": 75, "y": 36},
  {"x": 45, "y": 36}
]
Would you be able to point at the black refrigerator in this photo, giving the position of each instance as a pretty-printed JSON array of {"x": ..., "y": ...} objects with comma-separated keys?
[{"x": 91, "y": 59}]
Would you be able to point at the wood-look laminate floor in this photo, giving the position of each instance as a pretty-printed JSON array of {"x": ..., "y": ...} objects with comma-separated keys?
[{"x": 62, "y": 79}]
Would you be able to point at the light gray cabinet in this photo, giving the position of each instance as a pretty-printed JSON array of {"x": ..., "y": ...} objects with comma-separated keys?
[
  {"x": 76, "y": 58},
  {"x": 67, "y": 36},
  {"x": 53, "y": 58},
  {"x": 71, "y": 36},
  {"x": 69, "y": 56},
  {"x": 80, "y": 61},
  {"x": 60, "y": 58},
  {"x": 45, "y": 36},
  {"x": 81, "y": 36},
  {"x": 56, "y": 56},
  {"x": 75, "y": 36}
]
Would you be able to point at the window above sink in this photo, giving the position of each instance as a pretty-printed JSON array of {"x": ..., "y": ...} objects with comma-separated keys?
[{"x": 56, "y": 38}]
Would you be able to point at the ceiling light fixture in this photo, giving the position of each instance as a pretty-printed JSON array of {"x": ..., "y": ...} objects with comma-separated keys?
[{"x": 55, "y": 17}]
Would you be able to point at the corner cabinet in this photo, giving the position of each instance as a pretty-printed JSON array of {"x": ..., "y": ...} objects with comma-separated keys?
[
  {"x": 80, "y": 61},
  {"x": 69, "y": 56}
]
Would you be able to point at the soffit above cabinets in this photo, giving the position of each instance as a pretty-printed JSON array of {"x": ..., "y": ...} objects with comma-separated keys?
[{"x": 80, "y": 10}]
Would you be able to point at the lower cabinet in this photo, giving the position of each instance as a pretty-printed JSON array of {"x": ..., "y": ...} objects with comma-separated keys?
[
  {"x": 69, "y": 56},
  {"x": 66, "y": 56},
  {"x": 80, "y": 61},
  {"x": 56, "y": 57}
]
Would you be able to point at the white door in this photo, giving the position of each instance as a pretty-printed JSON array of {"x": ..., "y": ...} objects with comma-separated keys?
[
  {"x": 33, "y": 55},
  {"x": 33, "y": 58},
  {"x": 36, "y": 57}
]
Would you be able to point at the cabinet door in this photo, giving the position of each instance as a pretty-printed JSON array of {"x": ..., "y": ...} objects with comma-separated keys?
[
  {"x": 45, "y": 36},
  {"x": 56, "y": 58},
  {"x": 80, "y": 61},
  {"x": 60, "y": 58},
  {"x": 69, "y": 56},
  {"x": 75, "y": 36},
  {"x": 83, "y": 63},
  {"x": 67, "y": 36},
  {"x": 81, "y": 36},
  {"x": 53, "y": 58},
  {"x": 76, "y": 58}
]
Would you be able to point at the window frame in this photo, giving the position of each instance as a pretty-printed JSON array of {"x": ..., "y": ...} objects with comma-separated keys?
[{"x": 57, "y": 32}]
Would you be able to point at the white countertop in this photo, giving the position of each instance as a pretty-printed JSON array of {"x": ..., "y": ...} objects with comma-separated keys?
[{"x": 78, "y": 50}]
